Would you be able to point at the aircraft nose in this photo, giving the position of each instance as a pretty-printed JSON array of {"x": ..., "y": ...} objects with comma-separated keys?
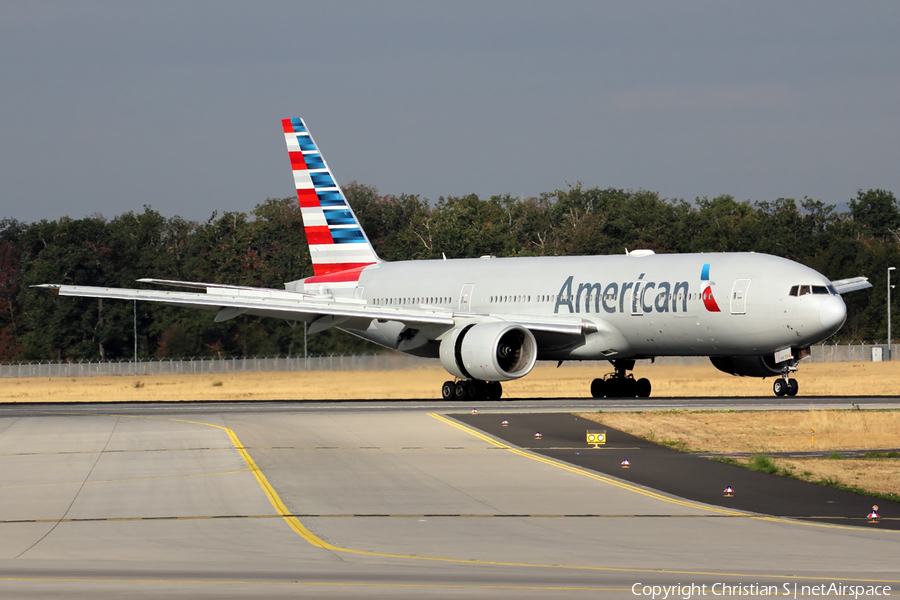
[{"x": 832, "y": 313}]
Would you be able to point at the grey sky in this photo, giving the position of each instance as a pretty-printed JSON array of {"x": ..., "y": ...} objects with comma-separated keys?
[{"x": 106, "y": 107}]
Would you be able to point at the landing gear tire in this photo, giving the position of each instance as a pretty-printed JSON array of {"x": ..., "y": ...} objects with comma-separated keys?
[
  {"x": 620, "y": 388},
  {"x": 471, "y": 390},
  {"x": 780, "y": 387},
  {"x": 642, "y": 387},
  {"x": 620, "y": 384},
  {"x": 448, "y": 390},
  {"x": 793, "y": 387},
  {"x": 612, "y": 388}
]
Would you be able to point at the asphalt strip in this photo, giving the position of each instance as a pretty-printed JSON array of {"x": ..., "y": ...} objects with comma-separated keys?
[{"x": 563, "y": 437}]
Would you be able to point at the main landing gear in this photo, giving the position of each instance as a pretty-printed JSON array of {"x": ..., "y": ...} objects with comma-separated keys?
[
  {"x": 786, "y": 386},
  {"x": 620, "y": 384},
  {"x": 471, "y": 389}
]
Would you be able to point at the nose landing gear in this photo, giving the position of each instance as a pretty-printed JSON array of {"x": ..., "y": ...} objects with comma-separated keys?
[
  {"x": 620, "y": 384},
  {"x": 786, "y": 386}
]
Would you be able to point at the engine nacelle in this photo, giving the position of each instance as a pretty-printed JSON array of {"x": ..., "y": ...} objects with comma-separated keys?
[
  {"x": 489, "y": 351},
  {"x": 747, "y": 366}
]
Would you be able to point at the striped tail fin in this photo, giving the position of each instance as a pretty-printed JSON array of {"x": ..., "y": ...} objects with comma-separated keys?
[{"x": 336, "y": 240}]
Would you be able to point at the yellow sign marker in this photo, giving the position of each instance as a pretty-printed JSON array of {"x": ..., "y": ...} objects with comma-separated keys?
[{"x": 596, "y": 438}]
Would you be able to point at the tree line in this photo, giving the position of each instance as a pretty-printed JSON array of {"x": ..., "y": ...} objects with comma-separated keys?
[{"x": 267, "y": 247}]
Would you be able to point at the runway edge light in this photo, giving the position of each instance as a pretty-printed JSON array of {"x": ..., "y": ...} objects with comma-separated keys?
[
  {"x": 505, "y": 423},
  {"x": 626, "y": 464},
  {"x": 873, "y": 516},
  {"x": 729, "y": 493},
  {"x": 537, "y": 435}
]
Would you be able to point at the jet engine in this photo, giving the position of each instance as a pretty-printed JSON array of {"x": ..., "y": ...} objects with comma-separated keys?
[
  {"x": 494, "y": 351},
  {"x": 747, "y": 366}
]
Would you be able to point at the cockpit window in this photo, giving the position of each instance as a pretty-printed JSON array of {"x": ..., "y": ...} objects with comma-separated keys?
[{"x": 802, "y": 290}]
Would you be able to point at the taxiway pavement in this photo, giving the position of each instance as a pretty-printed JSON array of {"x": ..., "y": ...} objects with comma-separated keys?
[{"x": 286, "y": 501}]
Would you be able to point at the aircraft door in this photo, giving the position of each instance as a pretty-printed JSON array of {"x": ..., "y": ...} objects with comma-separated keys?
[
  {"x": 635, "y": 294},
  {"x": 739, "y": 296},
  {"x": 465, "y": 297}
]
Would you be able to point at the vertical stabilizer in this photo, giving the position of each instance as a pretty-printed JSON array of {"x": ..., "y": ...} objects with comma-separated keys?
[{"x": 336, "y": 240}]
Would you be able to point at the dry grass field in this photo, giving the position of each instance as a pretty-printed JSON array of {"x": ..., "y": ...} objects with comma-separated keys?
[
  {"x": 544, "y": 382},
  {"x": 759, "y": 432},
  {"x": 780, "y": 431},
  {"x": 880, "y": 475}
]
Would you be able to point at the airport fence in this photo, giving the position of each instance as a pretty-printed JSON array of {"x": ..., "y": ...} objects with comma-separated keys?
[
  {"x": 197, "y": 366},
  {"x": 389, "y": 361}
]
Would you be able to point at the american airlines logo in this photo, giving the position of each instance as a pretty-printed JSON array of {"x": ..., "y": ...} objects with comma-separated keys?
[
  {"x": 637, "y": 297},
  {"x": 708, "y": 301}
]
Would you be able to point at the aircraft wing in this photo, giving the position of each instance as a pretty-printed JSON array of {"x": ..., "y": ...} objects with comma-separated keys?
[
  {"x": 232, "y": 301},
  {"x": 321, "y": 311},
  {"x": 564, "y": 326},
  {"x": 842, "y": 286}
]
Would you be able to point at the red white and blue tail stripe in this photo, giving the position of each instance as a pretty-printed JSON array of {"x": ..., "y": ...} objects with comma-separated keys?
[{"x": 337, "y": 242}]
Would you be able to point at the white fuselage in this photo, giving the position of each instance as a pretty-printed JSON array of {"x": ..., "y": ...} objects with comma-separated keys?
[{"x": 639, "y": 305}]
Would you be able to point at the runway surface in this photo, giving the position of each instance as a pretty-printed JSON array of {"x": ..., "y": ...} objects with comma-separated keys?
[{"x": 368, "y": 500}]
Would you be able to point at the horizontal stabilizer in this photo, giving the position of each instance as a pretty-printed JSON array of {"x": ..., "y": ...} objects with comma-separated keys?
[
  {"x": 842, "y": 286},
  {"x": 202, "y": 286}
]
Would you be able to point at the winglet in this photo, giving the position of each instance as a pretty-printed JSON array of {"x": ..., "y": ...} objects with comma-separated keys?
[{"x": 842, "y": 286}]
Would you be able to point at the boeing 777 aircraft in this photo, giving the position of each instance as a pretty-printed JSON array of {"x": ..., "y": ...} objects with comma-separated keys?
[{"x": 489, "y": 319}]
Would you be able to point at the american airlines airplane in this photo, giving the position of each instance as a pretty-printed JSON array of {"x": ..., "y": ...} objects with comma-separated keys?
[{"x": 490, "y": 319}]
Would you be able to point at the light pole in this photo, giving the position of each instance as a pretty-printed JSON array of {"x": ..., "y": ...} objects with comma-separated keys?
[{"x": 889, "y": 308}]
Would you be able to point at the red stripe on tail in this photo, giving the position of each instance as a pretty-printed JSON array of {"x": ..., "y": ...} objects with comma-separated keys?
[
  {"x": 318, "y": 234},
  {"x": 307, "y": 198},
  {"x": 297, "y": 162}
]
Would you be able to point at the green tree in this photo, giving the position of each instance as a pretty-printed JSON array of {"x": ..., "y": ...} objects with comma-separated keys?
[
  {"x": 877, "y": 212},
  {"x": 10, "y": 280}
]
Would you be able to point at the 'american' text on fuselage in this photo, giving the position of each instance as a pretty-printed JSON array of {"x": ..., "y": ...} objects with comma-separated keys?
[{"x": 611, "y": 299}]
